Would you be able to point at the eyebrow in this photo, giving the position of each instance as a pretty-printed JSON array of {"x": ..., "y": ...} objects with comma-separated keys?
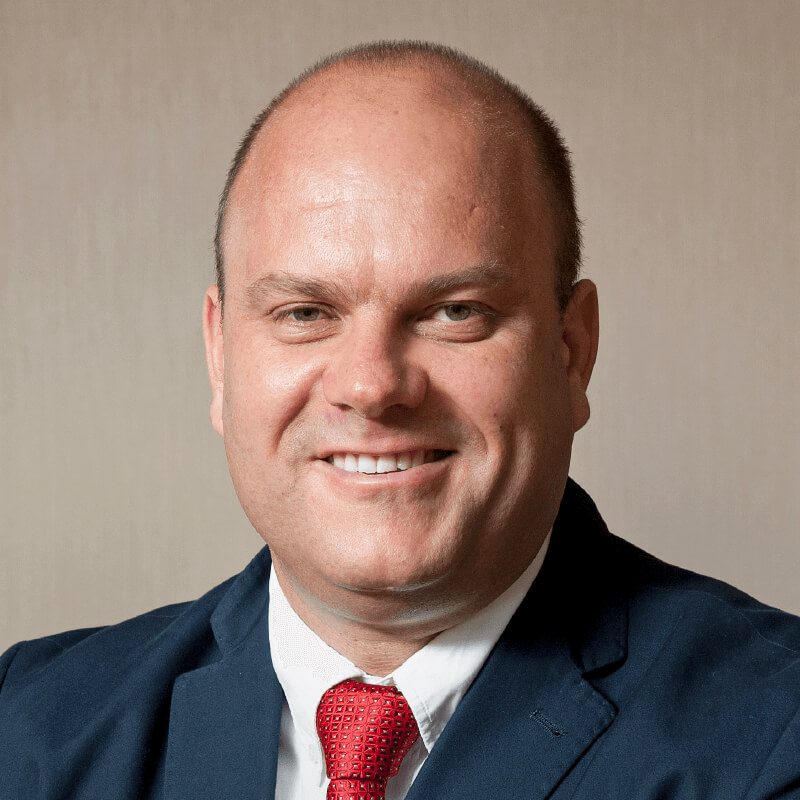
[
  {"x": 491, "y": 275},
  {"x": 282, "y": 282}
]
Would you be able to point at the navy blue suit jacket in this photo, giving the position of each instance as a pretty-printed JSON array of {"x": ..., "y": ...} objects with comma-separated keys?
[{"x": 618, "y": 677}]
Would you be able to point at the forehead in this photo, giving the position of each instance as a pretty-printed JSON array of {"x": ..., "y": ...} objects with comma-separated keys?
[{"x": 404, "y": 159}]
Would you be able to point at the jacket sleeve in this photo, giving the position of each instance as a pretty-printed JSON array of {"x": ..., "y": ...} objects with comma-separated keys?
[{"x": 780, "y": 777}]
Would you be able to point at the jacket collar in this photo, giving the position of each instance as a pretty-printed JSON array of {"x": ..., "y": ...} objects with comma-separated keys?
[{"x": 583, "y": 572}]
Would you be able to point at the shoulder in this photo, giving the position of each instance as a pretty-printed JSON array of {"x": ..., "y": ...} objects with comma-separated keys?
[
  {"x": 709, "y": 663},
  {"x": 698, "y": 607},
  {"x": 26, "y": 659},
  {"x": 707, "y": 679},
  {"x": 664, "y": 599},
  {"x": 61, "y": 687},
  {"x": 55, "y": 657},
  {"x": 102, "y": 695},
  {"x": 181, "y": 632},
  {"x": 690, "y": 639}
]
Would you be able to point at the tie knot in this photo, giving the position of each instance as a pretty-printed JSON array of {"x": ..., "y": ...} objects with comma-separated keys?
[{"x": 365, "y": 730}]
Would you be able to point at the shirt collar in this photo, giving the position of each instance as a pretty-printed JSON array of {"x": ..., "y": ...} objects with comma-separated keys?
[{"x": 433, "y": 680}]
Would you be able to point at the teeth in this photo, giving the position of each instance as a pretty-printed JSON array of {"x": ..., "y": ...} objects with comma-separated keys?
[
  {"x": 392, "y": 462},
  {"x": 387, "y": 464},
  {"x": 367, "y": 464}
]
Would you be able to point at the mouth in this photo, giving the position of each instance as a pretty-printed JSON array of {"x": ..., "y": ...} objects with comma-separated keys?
[{"x": 383, "y": 463}]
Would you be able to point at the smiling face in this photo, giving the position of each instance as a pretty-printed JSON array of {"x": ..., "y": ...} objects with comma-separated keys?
[{"x": 394, "y": 384}]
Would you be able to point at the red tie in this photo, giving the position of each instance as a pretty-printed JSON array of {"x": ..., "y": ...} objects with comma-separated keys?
[{"x": 365, "y": 730}]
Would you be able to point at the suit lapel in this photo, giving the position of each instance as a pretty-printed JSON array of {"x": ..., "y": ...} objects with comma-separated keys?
[
  {"x": 526, "y": 720},
  {"x": 225, "y": 717},
  {"x": 532, "y": 712}
]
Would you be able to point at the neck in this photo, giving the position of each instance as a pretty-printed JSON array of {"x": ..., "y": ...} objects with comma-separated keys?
[
  {"x": 378, "y": 633},
  {"x": 376, "y": 650}
]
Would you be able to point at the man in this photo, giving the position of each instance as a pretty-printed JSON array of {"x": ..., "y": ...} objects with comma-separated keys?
[{"x": 399, "y": 351}]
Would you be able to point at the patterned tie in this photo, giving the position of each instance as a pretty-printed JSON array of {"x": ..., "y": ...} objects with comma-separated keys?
[{"x": 365, "y": 731}]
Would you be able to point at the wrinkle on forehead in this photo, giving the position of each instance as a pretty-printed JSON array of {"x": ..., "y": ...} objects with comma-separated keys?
[{"x": 324, "y": 205}]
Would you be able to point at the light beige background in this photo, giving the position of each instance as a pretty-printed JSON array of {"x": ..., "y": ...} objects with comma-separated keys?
[{"x": 118, "y": 122}]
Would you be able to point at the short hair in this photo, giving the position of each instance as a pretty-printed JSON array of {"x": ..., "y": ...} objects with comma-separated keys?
[{"x": 552, "y": 158}]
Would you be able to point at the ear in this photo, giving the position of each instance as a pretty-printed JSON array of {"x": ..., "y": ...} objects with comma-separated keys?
[
  {"x": 215, "y": 354},
  {"x": 580, "y": 333}
]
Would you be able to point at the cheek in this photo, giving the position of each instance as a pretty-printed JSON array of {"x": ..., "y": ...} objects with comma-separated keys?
[
  {"x": 265, "y": 391},
  {"x": 507, "y": 392}
]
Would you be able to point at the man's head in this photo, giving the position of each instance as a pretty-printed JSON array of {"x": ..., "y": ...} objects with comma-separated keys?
[{"x": 392, "y": 242}]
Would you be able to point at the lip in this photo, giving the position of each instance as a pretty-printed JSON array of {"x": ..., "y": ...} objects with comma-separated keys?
[
  {"x": 388, "y": 448},
  {"x": 361, "y": 484}
]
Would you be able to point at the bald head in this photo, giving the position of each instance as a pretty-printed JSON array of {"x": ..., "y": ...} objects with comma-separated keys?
[{"x": 393, "y": 110}]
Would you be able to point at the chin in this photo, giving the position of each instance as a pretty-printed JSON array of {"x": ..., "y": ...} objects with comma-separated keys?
[
  {"x": 389, "y": 562},
  {"x": 386, "y": 584}
]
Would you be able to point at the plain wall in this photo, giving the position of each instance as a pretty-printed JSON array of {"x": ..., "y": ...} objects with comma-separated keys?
[{"x": 118, "y": 123}]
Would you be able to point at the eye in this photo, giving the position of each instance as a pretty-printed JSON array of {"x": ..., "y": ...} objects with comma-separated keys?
[
  {"x": 303, "y": 314},
  {"x": 303, "y": 323},
  {"x": 454, "y": 312}
]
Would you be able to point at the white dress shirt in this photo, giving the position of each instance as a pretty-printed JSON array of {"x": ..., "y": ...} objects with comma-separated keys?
[{"x": 433, "y": 681}]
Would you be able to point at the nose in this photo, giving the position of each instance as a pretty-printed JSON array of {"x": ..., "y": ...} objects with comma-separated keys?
[{"x": 371, "y": 373}]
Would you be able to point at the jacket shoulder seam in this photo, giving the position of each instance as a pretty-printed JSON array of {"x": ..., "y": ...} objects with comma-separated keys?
[{"x": 739, "y": 613}]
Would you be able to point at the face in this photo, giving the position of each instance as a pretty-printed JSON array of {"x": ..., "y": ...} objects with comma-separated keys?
[{"x": 395, "y": 386}]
